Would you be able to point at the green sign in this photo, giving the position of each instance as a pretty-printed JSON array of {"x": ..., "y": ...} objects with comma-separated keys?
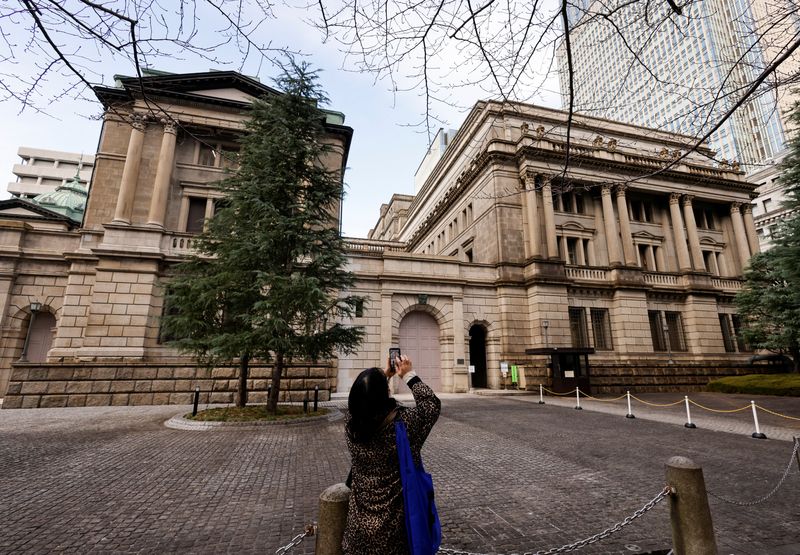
[{"x": 514, "y": 374}]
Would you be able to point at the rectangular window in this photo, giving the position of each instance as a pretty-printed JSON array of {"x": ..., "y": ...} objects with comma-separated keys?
[
  {"x": 640, "y": 211},
  {"x": 468, "y": 255},
  {"x": 572, "y": 250},
  {"x": 643, "y": 257},
  {"x": 206, "y": 156},
  {"x": 657, "y": 331},
  {"x": 741, "y": 344},
  {"x": 197, "y": 215},
  {"x": 359, "y": 308},
  {"x": 577, "y": 327},
  {"x": 677, "y": 340},
  {"x": 229, "y": 157},
  {"x": 601, "y": 329},
  {"x": 727, "y": 333}
]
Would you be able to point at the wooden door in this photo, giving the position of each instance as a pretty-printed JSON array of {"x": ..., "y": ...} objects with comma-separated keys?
[{"x": 419, "y": 340}]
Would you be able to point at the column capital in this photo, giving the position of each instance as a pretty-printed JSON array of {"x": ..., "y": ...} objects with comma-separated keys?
[
  {"x": 620, "y": 190},
  {"x": 606, "y": 190},
  {"x": 687, "y": 200},
  {"x": 674, "y": 198},
  {"x": 735, "y": 207},
  {"x": 170, "y": 125},
  {"x": 747, "y": 208},
  {"x": 139, "y": 121}
]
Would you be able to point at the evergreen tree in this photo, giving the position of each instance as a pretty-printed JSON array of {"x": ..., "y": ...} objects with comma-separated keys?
[
  {"x": 269, "y": 277},
  {"x": 769, "y": 302}
]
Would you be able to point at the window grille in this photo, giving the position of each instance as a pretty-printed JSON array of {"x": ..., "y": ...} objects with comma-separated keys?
[
  {"x": 577, "y": 327},
  {"x": 601, "y": 329}
]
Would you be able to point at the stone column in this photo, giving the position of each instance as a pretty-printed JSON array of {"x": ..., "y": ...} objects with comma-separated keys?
[
  {"x": 612, "y": 237},
  {"x": 166, "y": 159},
  {"x": 130, "y": 173},
  {"x": 694, "y": 238},
  {"x": 677, "y": 230},
  {"x": 629, "y": 252},
  {"x": 533, "y": 238},
  {"x": 651, "y": 259},
  {"x": 564, "y": 250},
  {"x": 591, "y": 260},
  {"x": 458, "y": 346},
  {"x": 549, "y": 219},
  {"x": 740, "y": 234},
  {"x": 750, "y": 228}
]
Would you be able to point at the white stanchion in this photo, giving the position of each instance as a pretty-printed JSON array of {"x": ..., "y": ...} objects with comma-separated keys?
[
  {"x": 757, "y": 434},
  {"x": 630, "y": 414},
  {"x": 578, "y": 399},
  {"x": 689, "y": 423},
  {"x": 541, "y": 395}
]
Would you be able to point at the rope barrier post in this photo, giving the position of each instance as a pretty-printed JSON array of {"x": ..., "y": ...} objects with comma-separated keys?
[
  {"x": 333, "y": 503},
  {"x": 689, "y": 423},
  {"x": 757, "y": 434},
  {"x": 689, "y": 514},
  {"x": 578, "y": 399},
  {"x": 196, "y": 400},
  {"x": 541, "y": 395},
  {"x": 630, "y": 414},
  {"x": 797, "y": 451}
]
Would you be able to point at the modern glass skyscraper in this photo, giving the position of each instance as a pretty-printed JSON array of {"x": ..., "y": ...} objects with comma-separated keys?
[{"x": 650, "y": 66}]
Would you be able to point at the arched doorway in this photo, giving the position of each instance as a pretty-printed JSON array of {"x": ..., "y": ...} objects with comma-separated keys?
[
  {"x": 477, "y": 354},
  {"x": 419, "y": 340},
  {"x": 40, "y": 337}
]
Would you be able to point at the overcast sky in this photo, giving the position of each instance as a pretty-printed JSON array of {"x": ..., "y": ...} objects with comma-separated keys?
[{"x": 387, "y": 145}]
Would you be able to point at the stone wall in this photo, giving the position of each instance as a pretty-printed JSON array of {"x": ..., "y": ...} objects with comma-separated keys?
[
  {"x": 106, "y": 384},
  {"x": 651, "y": 377}
]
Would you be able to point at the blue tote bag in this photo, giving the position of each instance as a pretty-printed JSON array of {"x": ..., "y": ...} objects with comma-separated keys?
[{"x": 422, "y": 521}]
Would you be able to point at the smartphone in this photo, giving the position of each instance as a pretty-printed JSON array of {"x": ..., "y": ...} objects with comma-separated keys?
[{"x": 394, "y": 355}]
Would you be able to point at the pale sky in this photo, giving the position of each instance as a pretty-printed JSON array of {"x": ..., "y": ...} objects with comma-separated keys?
[{"x": 387, "y": 146}]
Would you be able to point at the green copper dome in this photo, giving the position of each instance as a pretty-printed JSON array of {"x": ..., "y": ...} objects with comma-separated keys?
[{"x": 68, "y": 199}]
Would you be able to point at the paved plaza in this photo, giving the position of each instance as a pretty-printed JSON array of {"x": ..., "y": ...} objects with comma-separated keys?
[{"x": 511, "y": 476}]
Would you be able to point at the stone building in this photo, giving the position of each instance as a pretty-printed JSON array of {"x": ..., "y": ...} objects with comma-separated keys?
[
  {"x": 500, "y": 261},
  {"x": 101, "y": 286},
  {"x": 500, "y": 258},
  {"x": 41, "y": 171}
]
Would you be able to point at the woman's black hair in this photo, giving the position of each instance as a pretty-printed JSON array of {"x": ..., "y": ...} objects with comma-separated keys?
[{"x": 369, "y": 403}]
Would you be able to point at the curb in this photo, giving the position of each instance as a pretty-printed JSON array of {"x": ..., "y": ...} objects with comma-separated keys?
[{"x": 179, "y": 422}]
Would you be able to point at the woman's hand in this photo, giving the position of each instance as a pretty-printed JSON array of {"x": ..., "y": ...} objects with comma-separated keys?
[
  {"x": 403, "y": 365},
  {"x": 389, "y": 371}
]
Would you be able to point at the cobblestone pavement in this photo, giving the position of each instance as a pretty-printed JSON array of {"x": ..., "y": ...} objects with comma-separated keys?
[{"x": 511, "y": 476}]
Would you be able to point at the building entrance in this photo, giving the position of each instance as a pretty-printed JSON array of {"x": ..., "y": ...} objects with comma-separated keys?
[
  {"x": 41, "y": 337},
  {"x": 477, "y": 355},
  {"x": 419, "y": 340}
]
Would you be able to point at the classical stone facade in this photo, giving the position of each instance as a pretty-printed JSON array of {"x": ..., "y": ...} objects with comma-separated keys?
[
  {"x": 500, "y": 262},
  {"x": 95, "y": 295},
  {"x": 501, "y": 245}
]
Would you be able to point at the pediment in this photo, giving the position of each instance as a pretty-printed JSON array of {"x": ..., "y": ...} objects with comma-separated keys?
[
  {"x": 575, "y": 226},
  {"x": 646, "y": 235},
  {"x": 20, "y": 209},
  {"x": 711, "y": 242}
]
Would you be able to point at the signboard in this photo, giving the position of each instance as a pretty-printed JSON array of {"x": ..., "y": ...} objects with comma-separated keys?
[
  {"x": 569, "y": 373},
  {"x": 504, "y": 368},
  {"x": 514, "y": 374},
  {"x": 471, "y": 368}
]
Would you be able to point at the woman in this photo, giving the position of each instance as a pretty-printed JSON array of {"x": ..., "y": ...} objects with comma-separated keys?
[{"x": 375, "y": 519}]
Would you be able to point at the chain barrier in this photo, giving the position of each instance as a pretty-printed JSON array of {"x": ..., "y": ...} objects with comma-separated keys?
[
  {"x": 777, "y": 413},
  {"x": 774, "y": 490},
  {"x": 558, "y": 394},
  {"x": 590, "y": 540},
  {"x": 657, "y": 404},
  {"x": 309, "y": 531},
  {"x": 603, "y": 400},
  {"x": 719, "y": 410}
]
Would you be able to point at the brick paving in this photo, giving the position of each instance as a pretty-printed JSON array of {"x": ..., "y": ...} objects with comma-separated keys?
[{"x": 511, "y": 476}]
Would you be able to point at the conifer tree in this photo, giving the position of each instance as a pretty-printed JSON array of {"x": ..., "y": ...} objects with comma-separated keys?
[
  {"x": 269, "y": 281},
  {"x": 769, "y": 302}
]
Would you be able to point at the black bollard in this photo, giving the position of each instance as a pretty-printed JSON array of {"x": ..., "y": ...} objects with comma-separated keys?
[
  {"x": 269, "y": 394},
  {"x": 316, "y": 397},
  {"x": 196, "y": 400},
  {"x": 305, "y": 403}
]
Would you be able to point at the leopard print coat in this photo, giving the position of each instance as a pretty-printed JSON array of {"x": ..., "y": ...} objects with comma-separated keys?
[{"x": 375, "y": 519}]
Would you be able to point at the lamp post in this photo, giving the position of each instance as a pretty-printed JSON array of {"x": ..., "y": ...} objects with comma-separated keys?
[
  {"x": 545, "y": 325},
  {"x": 35, "y": 307}
]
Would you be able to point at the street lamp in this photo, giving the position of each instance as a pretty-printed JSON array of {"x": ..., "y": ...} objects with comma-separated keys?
[
  {"x": 545, "y": 325},
  {"x": 35, "y": 307}
]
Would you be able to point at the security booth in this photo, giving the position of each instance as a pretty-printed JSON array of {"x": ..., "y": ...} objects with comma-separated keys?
[{"x": 569, "y": 367}]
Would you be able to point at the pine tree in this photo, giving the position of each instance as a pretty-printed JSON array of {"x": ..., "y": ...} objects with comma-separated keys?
[
  {"x": 769, "y": 302},
  {"x": 268, "y": 281}
]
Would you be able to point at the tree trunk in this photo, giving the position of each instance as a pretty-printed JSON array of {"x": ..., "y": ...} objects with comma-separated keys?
[
  {"x": 795, "y": 353},
  {"x": 277, "y": 372},
  {"x": 241, "y": 391}
]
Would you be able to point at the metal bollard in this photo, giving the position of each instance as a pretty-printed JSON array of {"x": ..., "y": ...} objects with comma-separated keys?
[
  {"x": 578, "y": 399},
  {"x": 333, "y": 504},
  {"x": 689, "y": 423},
  {"x": 689, "y": 514},
  {"x": 630, "y": 414},
  {"x": 196, "y": 399},
  {"x": 316, "y": 397},
  {"x": 541, "y": 395},
  {"x": 758, "y": 434}
]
